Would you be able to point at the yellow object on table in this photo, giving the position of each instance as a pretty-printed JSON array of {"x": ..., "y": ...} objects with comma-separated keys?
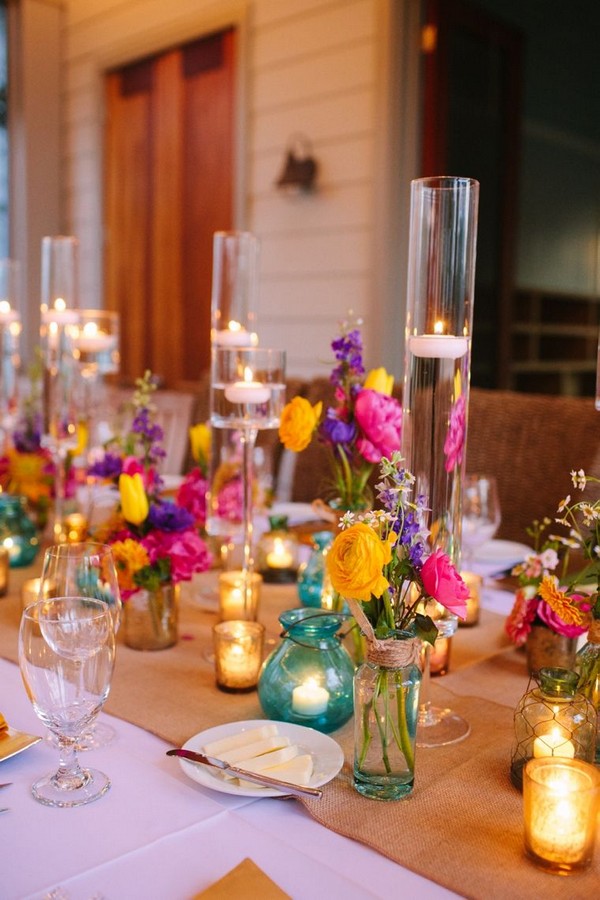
[{"x": 245, "y": 881}]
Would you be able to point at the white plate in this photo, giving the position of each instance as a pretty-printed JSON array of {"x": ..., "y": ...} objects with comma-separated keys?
[
  {"x": 327, "y": 756},
  {"x": 297, "y": 513},
  {"x": 501, "y": 555}
]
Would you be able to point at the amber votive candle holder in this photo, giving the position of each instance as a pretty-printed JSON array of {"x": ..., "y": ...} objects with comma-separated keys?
[
  {"x": 474, "y": 583},
  {"x": 75, "y": 528},
  {"x": 238, "y": 647},
  {"x": 439, "y": 656},
  {"x": 4, "y": 570},
  {"x": 239, "y": 595},
  {"x": 561, "y": 799}
]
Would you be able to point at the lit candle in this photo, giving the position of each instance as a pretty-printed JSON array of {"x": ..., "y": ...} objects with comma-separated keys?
[
  {"x": 474, "y": 583},
  {"x": 233, "y": 603},
  {"x": 59, "y": 314},
  {"x": 7, "y": 313},
  {"x": 75, "y": 528},
  {"x": 553, "y": 744},
  {"x": 247, "y": 391},
  {"x": 92, "y": 340},
  {"x": 4, "y": 570},
  {"x": 30, "y": 592},
  {"x": 235, "y": 335},
  {"x": 438, "y": 346},
  {"x": 238, "y": 650},
  {"x": 309, "y": 698},
  {"x": 279, "y": 557},
  {"x": 560, "y": 802}
]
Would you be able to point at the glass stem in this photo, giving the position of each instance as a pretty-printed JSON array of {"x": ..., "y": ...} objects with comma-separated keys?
[
  {"x": 426, "y": 714},
  {"x": 60, "y": 460},
  {"x": 248, "y": 439},
  {"x": 70, "y": 775}
]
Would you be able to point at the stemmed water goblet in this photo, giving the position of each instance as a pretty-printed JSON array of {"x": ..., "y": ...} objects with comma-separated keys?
[
  {"x": 480, "y": 514},
  {"x": 84, "y": 570},
  {"x": 66, "y": 657}
]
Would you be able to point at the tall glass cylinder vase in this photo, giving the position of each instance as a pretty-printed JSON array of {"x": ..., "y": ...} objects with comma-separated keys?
[
  {"x": 247, "y": 396},
  {"x": 58, "y": 335},
  {"x": 10, "y": 332},
  {"x": 441, "y": 276}
]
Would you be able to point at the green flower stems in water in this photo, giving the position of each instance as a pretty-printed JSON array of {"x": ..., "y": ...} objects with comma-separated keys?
[{"x": 386, "y": 722}]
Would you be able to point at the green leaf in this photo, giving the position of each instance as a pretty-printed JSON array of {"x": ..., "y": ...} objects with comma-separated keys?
[{"x": 425, "y": 628}]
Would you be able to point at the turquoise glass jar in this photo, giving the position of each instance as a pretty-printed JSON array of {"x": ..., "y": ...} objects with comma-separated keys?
[
  {"x": 312, "y": 573},
  {"x": 308, "y": 678},
  {"x": 17, "y": 532}
]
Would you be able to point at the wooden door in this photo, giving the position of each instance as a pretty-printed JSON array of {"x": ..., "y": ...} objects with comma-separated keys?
[
  {"x": 169, "y": 187},
  {"x": 471, "y": 122}
]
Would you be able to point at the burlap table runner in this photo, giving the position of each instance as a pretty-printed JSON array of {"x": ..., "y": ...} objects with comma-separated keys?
[{"x": 463, "y": 825}]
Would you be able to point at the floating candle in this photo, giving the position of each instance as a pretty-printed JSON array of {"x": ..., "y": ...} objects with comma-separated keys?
[
  {"x": 92, "y": 340},
  {"x": 555, "y": 743},
  {"x": 438, "y": 346},
  {"x": 279, "y": 557},
  {"x": 309, "y": 698},
  {"x": 234, "y": 337},
  {"x": 247, "y": 392}
]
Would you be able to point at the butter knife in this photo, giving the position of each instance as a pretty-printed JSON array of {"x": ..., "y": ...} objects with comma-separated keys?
[{"x": 265, "y": 780}]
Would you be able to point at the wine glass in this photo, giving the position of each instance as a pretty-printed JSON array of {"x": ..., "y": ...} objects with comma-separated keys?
[
  {"x": 66, "y": 657},
  {"x": 84, "y": 570},
  {"x": 480, "y": 513}
]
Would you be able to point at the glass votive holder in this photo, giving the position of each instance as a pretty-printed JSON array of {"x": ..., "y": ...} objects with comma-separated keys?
[
  {"x": 239, "y": 595},
  {"x": 75, "y": 528},
  {"x": 474, "y": 583},
  {"x": 277, "y": 553},
  {"x": 30, "y": 592},
  {"x": 439, "y": 656},
  {"x": 561, "y": 799},
  {"x": 4, "y": 570},
  {"x": 238, "y": 648}
]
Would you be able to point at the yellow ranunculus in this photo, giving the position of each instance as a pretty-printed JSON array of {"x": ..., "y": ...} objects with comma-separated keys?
[
  {"x": 379, "y": 380},
  {"x": 200, "y": 442},
  {"x": 355, "y": 562},
  {"x": 134, "y": 501},
  {"x": 298, "y": 421}
]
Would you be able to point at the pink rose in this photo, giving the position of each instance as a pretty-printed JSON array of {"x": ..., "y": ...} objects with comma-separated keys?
[
  {"x": 380, "y": 420},
  {"x": 191, "y": 495},
  {"x": 444, "y": 584}
]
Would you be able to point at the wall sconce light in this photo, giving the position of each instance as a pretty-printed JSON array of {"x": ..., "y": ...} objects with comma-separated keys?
[{"x": 300, "y": 168}]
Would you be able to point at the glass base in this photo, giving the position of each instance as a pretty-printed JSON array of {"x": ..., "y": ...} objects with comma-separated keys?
[
  {"x": 92, "y": 786},
  {"x": 97, "y": 735},
  {"x": 440, "y": 727},
  {"x": 383, "y": 788}
]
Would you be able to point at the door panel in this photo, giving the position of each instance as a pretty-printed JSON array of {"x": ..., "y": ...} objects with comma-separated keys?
[{"x": 169, "y": 187}]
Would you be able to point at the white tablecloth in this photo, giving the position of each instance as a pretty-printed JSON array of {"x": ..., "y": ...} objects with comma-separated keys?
[{"x": 157, "y": 834}]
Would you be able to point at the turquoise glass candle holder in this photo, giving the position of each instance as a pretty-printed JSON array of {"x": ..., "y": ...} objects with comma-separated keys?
[
  {"x": 17, "y": 532},
  {"x": 311, "y": 574},
  {"x": 308, "y": 678}
]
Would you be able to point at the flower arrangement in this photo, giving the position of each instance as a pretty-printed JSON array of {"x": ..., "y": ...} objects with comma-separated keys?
[
  {"x": 548, "y": 593},
  {"x": 381, "y": 563},
  {"x": 155, "y": 541},
  {"x": 361, "y": 428}
]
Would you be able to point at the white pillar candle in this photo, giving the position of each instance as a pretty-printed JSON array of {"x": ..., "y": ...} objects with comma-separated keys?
[
  {"x": 309, "y": 698},
  {"x": 438, "y": 346},
  {"x": 235, "y": 335}
]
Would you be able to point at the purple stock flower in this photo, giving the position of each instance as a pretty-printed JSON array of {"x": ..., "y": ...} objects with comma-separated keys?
[
  {"x": 348, "y": 351},
  {"x": 27, "y": 437},
  {"x": 110, "y": 466},
  {"x": 166, "y": 516}
]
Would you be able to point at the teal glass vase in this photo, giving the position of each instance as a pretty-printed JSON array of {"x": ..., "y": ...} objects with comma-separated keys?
[
  {"x": 17, "y": 532},
  {"x": 386, "y": 712},
  {"x": 308, "y": 678},
  {"x": 311, "y": 574}
]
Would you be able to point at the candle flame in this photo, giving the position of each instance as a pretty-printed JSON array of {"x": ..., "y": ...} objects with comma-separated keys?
[
  {"x": 248, "y": 374},
  {"x": 234, "y": 326},
  {"x": 4, "y": 306},
  {"x": 59, "y": 304},
  {"x": 90, "y": 329},
  {"x": 438, "y": 327}
]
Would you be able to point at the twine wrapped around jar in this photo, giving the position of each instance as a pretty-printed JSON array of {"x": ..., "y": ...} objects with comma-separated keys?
[{"x": 390, "y": 652}]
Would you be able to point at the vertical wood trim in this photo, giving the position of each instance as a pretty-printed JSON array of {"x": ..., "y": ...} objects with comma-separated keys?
[{"x": 165, "y": 295}]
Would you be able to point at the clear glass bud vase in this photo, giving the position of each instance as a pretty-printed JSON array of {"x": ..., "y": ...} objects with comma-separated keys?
[{"x": 386, "y": 712}]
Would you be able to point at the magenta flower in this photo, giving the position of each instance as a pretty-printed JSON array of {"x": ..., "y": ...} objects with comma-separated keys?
[
  {"x": 454, "y": 445},
  {"x": 229, "y": 501},
  {"x": 186, "y": 550},
  {"x": 380, "y": 420},
  {"x": 192, "y": 495},
  {"x": 554, "y": 621},
  {"x": 444, "y": 584}
]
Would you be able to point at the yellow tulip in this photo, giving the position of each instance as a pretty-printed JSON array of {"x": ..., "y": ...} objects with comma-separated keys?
[
  {"x": 134, "y": 501},
  {"x": 355, "y": 562},
  {"x": 379, "y": 380},
  {"x": 200, "y": 442},
  {"x": 298, "y": 421}
]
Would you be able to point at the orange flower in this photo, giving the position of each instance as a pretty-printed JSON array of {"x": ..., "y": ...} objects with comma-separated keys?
[
  {"x": 298, "y": 421},
  {"x": 559, "y": 602},
  {"x": 129, "y": 557}
]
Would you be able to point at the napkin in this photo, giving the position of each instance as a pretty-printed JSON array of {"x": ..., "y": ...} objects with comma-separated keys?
[{"x": 245, "y": 882}]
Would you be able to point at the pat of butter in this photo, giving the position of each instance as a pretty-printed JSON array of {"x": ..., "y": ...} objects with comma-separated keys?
[
  {"x": 297, "y": 771},
  {"x": 242, "y": 738},
  {"x": 250, "y": 751},
  {"x": 267, "y": 760}
]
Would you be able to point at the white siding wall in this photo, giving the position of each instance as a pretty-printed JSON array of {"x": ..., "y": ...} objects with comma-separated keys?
[{"x": 309, "y": 66}]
